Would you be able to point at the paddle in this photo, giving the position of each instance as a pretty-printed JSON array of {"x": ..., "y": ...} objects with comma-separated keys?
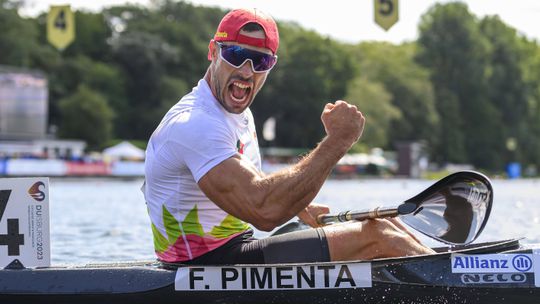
[{"x": 454, "y": 210}]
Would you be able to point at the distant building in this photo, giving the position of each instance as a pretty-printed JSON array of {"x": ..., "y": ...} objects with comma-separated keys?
[
  {"x": 23, "y": 104},
  {"x": 412, "y": 159},
  {"x": 24, "y": 117}
]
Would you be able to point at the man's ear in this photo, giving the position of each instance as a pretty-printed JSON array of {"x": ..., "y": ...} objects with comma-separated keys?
[{"x": 211, "y": 49}]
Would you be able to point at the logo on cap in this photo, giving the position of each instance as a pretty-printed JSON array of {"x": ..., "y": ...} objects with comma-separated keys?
[{"x": 221, "y": 34}]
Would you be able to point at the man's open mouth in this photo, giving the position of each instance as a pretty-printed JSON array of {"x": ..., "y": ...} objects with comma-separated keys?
[{"x": 239, "y": 91}]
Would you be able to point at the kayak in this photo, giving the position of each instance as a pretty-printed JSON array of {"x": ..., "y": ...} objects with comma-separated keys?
[
  {"x": 493, "y": 272},
  {"x": 454, "y": 210}
]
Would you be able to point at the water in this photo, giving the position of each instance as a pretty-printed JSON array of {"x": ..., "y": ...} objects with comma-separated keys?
[{"x": 102, "y": 220}]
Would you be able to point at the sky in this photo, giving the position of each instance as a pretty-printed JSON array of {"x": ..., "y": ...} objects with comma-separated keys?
[{"x": 344, "y": 20}]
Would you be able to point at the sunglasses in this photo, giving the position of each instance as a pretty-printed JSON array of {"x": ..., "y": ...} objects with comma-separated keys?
[{"x": 236, "y": 55}]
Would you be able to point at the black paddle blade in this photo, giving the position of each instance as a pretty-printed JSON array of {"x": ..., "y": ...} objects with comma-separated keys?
[{"x": 454, "y": 210}]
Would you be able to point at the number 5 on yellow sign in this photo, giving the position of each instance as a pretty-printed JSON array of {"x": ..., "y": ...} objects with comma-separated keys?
[{"x": 386, "y": 13}]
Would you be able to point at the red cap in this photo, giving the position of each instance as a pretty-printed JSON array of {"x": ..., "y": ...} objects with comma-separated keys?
[{"x": 230, "y": 25}]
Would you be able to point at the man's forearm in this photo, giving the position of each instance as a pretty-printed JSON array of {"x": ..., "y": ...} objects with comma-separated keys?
[{"x": 290, "y": 190}]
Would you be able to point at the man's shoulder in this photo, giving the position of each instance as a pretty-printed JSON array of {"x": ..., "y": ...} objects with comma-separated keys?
[
  {"x": 195, "y": 116},
  {"x": 195, "y": 109},
  {"x": 193, "y": 123}
]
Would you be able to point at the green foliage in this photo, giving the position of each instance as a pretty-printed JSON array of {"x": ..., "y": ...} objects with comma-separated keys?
[
  {"x": 17, "y": 37},
  {"x": 508, "y": 87},
  {"x": 171, "y": 89},
  {"x": 531, "y": 70},
  {"x": 105, "y": 79},
  {"x": 375, "y": 103},
  {"x": 143, "y": 58},
  {"x": 91, "y": 32},
  {"x": 311, "y": 71},
  {"x": 465, "y": 87},
  {"x": 459, "y": 63},
  {"x": 11, "y": 4},
  {"x": 409, "y": 86},
  {"x": 86, "y": 115}
]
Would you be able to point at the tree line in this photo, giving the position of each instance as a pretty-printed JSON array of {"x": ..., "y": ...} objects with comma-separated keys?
[{"x": 468, "y": 87}]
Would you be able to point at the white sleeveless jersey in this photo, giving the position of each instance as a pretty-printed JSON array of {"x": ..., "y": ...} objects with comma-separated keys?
[{"x": 193, "y": 137}]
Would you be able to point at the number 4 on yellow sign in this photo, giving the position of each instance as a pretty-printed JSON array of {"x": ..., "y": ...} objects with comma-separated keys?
[
  {"x": 60, "y": 26},
  {"x": 386, "y": 13}
]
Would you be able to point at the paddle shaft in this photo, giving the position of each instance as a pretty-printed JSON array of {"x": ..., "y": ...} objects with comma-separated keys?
[
  {"x": 378, "y": 212},
  {"x": 454, "y": 210}
]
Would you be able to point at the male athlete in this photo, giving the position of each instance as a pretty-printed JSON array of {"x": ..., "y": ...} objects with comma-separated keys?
[{"x": 204, "y": 185}]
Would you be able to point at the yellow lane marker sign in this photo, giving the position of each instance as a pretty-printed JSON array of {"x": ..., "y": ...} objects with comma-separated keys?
[
  {"x": 60, "y": 26},
  {"x": 386, "y": 13}
]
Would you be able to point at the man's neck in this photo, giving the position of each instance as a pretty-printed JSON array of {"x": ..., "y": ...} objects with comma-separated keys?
[{"x": 207, "y": 77}]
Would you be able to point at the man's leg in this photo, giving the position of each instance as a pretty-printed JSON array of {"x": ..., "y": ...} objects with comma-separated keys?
[
  {"x": 302, "y": 246},
  {"x": 338, "y": 242},
  {"x": 371, "y": 239}
]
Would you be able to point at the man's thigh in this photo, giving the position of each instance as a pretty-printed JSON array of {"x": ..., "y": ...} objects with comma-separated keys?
[{"x": 303, "y": 246}]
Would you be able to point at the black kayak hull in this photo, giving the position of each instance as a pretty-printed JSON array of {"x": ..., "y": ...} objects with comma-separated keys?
[
  {"x": 379, "y": 293},
  {"x": 427, "y": 279}
]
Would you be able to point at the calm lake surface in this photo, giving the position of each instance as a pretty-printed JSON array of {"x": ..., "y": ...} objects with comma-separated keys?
[{"x": 103, "y": 220}]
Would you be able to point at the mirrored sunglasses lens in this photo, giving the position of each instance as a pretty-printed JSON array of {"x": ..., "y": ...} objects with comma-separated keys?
[
  {"x": 237, "y": 55},
  {"x": 233, "y": 55},
  {"x": 265, "y": 63}
]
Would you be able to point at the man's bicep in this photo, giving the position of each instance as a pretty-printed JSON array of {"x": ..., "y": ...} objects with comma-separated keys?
[{"x": 232, "y": 186}]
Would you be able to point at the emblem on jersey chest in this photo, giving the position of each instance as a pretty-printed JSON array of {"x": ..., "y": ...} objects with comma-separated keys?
[{"x": 240, "y": 147}]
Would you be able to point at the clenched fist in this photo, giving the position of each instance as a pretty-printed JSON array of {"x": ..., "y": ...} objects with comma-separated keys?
[{"x": 343, "y": 121}]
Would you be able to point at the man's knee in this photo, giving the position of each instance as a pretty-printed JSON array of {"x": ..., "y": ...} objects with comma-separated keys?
[
  {"x": 371, "y": 239},
  {"x": 381, "y": 228}
]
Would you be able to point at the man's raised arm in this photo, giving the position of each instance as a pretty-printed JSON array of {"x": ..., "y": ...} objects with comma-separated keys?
[{"x": 268, "y": 201}]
